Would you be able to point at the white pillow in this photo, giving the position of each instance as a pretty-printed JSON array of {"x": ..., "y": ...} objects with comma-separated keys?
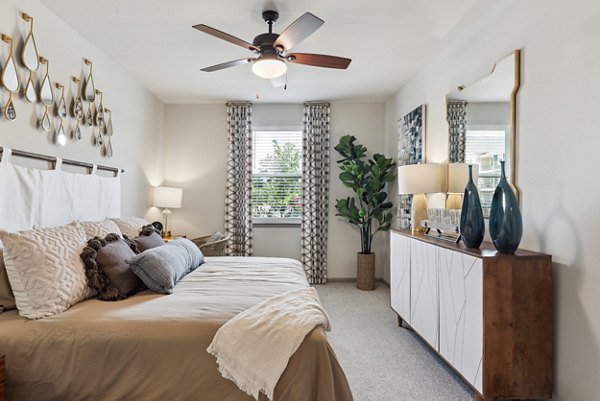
[
  {"x": 130, "y": 226},
  {"x": 44, "y": 268},
  {"x": 100, "y": 228},
  {"x": 7, "y": 299}
]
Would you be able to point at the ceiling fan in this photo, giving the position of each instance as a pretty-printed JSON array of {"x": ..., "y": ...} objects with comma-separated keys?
[{"x": 271, "y": 50}]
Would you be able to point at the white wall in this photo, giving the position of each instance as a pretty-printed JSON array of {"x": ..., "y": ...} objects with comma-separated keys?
[
  {"x": 558, "y": 138},
  {"x": 138, "y": 115},
  {"x": 196, "y": 160}
]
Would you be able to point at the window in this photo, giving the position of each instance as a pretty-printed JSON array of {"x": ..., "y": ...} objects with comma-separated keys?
[
  {"x": 486, "y": 147},
  {"x": 277, "y": 177}
]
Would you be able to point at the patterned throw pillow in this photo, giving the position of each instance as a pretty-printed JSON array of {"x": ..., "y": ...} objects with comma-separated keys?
[
  {"x": 107, "y": 269},
  {"x": 149, "y": 238},
  {"x": 161, "y": 268},
  {"x": 216, "y": 236},
  {"x": 100, "y": 228},
  {"x": 45, "y": 271},
  {"x": 130, "y": 226}
]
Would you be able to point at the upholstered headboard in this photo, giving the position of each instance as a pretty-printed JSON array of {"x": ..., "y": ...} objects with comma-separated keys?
[{"x": 32, "y": 198}]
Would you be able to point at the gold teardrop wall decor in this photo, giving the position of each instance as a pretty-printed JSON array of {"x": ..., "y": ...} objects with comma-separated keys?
[
  {"x": 77, "y": 102},
  {"x": 61, "y": 106},
  {"x": 30, "y": 92},
  {"x": 9, "y": 110},
  {"x": 76, "y": 134},
  {"x": 100, "y": 112},
  {"x": 46, "y": 94},
  {"x": 29, "y": 53},
  {"x": 59, "y": 135},
  {"x": 108, "y": 150},
  {"x": 89, "y": 90},
  {"x": 9, "y": 77},
  {"x": 109, "y": 127},
  {"x": 88, "y": 119},
  {"x": 45, "y": 122}
]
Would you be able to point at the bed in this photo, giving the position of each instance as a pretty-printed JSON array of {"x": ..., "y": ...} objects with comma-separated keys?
[{"x": 153, "y": 347}]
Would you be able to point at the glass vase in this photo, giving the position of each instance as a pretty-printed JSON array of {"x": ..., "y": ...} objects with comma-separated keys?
[
  {"x": 506, "y": 224},
  {"x": 472, "y": 226}
]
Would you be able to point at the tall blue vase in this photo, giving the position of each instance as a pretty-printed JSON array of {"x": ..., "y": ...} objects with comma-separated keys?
[
  {"x": 506, "y": 224},
  {"x": 472, "y": 226}
]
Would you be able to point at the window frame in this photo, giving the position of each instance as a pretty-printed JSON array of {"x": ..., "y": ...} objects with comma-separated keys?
[{"x": 276, "y": 221}]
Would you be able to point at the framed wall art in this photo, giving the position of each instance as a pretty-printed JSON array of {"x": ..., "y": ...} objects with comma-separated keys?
[{"x": 411, "y": 150}]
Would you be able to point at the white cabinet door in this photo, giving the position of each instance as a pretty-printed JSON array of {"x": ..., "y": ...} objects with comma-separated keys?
[
  {"x": 424, "y": 300},
  {"x": 400, "y": 275},
  {"x": 461, "y": 313}
]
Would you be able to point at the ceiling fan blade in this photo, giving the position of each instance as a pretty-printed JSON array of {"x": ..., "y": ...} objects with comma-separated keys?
[
  {"x": 279, "y": 81},
  {"x": 299, "y": 30},
  {"x": 319, "y": 60},
  {"x": 228, "y": 64},
  {"x": 225, "y": 36}
]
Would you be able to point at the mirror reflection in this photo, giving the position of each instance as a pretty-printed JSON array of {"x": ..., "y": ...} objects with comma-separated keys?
[{"x": 481, "y": 125}]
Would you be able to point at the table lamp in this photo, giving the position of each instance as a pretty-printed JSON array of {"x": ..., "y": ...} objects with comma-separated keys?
[
  {"x": 458, "y": 176},
  {"x": 168, "y": 198},
  {"x": 418, "y": 180}
]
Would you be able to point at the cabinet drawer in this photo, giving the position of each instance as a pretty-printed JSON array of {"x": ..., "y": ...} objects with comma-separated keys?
[
  {"x": 461, "y": 313},
  {"x": 400, "y": 275},
  {"x": 424, "y": 300}
]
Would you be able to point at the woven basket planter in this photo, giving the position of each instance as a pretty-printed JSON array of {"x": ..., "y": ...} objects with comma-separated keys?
[{"x": 365, "y": 271}]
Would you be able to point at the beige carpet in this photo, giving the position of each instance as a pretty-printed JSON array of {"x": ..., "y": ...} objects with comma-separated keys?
[{"x": 382, "y": 361}]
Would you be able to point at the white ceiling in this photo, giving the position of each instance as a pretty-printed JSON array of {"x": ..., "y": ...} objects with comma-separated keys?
[{"x": 388, "y": 40}]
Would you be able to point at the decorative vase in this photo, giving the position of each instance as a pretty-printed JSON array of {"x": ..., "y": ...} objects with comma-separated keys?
[
  {"x": 506, "y": 224},
  {"x": 365, "y": 271},
  {"x": 472, "y": 225}
]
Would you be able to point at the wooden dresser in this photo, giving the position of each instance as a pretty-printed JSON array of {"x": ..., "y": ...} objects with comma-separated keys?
[
  {"x": 2, "y": 396},
  {"x": 489, "y": 315}
]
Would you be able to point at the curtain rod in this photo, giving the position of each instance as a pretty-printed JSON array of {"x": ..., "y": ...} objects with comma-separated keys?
[{"x": 52, "y": 159}]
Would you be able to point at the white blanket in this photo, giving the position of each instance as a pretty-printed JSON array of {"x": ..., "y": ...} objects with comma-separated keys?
[{"x": 253, "y": 348}]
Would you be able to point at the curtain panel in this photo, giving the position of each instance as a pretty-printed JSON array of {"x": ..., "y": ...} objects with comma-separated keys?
[
  {"x": 457, "y": 123},
  {"x": 315, "y": 191},
  {"x": 238, "y": 197}
]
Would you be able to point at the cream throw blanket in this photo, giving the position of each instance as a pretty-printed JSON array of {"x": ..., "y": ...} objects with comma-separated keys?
[{"x": 253, "y": 348}]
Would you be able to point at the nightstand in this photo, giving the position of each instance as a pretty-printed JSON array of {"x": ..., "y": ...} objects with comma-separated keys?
[
  {"x": 172, "y": 237},
  {"x": 2, "y": 378}
]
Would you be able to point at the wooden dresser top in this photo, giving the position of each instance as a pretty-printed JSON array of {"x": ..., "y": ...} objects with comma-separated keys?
[{"x": 486, "y": 250}]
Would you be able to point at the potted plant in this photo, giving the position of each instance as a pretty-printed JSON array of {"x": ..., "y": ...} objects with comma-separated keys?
[{"x": 367, "y": 178}]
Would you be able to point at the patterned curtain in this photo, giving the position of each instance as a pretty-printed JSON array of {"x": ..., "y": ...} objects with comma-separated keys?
[
  {"x": 315, "y": 191},
  {"x": 457, "y": 121},
  {"x": 238, "y": 197}
]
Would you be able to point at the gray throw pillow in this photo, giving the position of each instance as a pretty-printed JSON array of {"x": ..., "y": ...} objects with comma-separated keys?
[
  {"x": 162, "y": 267},
  {"x": 107, "y": 270},
  {"x": 148, "y": 241}
]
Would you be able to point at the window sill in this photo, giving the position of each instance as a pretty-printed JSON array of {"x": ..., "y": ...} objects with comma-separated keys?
[{"x": 276, "y": 222}]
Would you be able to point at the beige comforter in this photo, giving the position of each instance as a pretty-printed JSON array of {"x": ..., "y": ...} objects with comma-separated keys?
[{"x": 153, "y": 347}]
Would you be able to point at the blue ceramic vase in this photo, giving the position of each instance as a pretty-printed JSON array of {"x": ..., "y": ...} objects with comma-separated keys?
[
  {"x": 472, "y": 226},
  {"x": 506, "y": 224}
]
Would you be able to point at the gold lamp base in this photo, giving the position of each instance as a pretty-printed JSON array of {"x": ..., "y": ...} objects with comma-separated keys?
[{"x": 418, "y": 213}]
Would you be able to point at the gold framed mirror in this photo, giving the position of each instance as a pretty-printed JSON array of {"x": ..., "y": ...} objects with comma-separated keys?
[{"x": 481, "y": 120}]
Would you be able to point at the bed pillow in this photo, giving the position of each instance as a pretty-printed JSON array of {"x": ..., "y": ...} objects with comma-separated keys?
[
  {"x": 149, "y": 238},
  {"x": 7, "y": 299},
  {"x": 162, "y": 267},
  {"x": 107, "y": 270},
  {"x": 100, "y": 228},
  {"x": 130, "y": 226},
  {"x": 45, "y": 272}
]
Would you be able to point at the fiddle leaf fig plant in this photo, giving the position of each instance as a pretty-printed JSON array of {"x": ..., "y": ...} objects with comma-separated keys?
[{"x": 367, "y": 178}]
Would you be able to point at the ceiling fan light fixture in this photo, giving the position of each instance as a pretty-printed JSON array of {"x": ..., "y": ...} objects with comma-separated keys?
[{"x": 269, "y": 68}]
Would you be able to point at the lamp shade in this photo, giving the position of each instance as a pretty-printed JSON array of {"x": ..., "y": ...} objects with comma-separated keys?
[
  {"x": 421, "y": 178},
  {"x": 458, "y": 176},
  {"x": 168, "y": 197}
]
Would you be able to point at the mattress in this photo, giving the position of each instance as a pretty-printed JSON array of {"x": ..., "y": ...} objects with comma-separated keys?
[{"x": 153, "y": 347}]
